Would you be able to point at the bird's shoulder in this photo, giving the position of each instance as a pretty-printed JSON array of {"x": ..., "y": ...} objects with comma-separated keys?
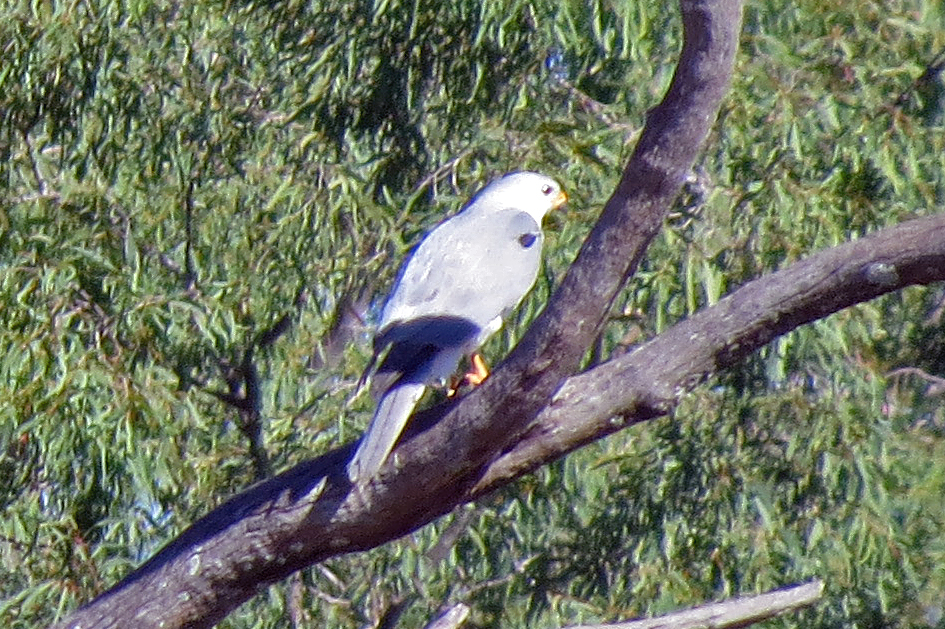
[{"x": 476, "y": 262}]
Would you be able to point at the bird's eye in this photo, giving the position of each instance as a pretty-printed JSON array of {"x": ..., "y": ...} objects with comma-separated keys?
[
  {"x": 547, "y": 189},
  {"x": 527, "y": 240}
]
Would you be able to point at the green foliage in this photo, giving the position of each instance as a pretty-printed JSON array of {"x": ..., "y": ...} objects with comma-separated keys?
[{"x": 178, "y": 177}]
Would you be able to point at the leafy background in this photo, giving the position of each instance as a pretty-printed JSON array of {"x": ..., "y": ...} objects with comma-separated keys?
[{"x": 178, "y": 177}]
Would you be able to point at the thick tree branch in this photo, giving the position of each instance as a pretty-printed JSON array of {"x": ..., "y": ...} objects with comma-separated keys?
[
  {"x": 310, "y": 512},
  {"x": 265, "y": 533},
  {"x": 646, "y": 381}
]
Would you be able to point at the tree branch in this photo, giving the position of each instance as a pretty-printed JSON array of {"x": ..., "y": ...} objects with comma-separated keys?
[
  {"x": 645, "y": 382},
  {"x": 308, "y": 513},
  {"x": 311, "y": 512},
  {"x": 738, "y": 612}
]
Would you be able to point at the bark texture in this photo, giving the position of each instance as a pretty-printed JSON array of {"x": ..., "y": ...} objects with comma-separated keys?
[{"x": 312, "y": 512}]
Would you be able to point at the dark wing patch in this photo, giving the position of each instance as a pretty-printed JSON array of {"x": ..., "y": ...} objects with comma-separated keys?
[
  {"x": 438, "y": 330},
  {"x": 411, "y": 344},
  {"x": 401, "y": 364}
]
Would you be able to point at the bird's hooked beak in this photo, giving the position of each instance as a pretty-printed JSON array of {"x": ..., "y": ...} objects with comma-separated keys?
[
  {"x": 560, "y": 200},
  {"x": 551, "y": 218}
]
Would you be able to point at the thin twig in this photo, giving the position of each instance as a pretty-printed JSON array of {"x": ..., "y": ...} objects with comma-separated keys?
[{"x": 938, "y": 383}]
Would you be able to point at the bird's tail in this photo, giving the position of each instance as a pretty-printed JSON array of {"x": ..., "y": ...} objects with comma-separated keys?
[{"x": 389, "y": 420}]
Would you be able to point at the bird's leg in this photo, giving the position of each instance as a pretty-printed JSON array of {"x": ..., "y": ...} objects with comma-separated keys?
[
  {"x": 479, "y": 371},
  {"x": 474, "y": 377}
]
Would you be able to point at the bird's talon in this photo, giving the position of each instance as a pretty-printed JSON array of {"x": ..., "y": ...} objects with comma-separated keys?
[
  {"x": 479, "y": 371},
  {"x": 455, "y": 384}
]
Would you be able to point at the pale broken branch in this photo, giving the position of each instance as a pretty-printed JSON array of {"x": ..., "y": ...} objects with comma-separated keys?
[{"x": 738, "y": 612}]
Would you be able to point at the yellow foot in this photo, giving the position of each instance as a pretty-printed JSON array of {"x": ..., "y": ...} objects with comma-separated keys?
[
  {"x": 479, "y": 371},
  {"x": 474, "y": 378}
]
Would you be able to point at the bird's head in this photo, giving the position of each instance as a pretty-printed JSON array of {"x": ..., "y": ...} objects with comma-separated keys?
[{"x": 529, "y": 192}]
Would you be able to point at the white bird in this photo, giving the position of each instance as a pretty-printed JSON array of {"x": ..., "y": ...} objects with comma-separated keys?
[{"x": 452, "y": 294}]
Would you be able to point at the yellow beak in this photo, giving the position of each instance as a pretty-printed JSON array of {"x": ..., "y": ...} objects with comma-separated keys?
[{"x": 560, "y": 200}]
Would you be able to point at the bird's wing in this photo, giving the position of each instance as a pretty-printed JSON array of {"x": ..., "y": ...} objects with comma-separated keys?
[
  {"x": 454, "y": 292},
  {"x": 406, "y": 346},
  {"x": 432, "y": 280},
  {"x": 475, "y": 267}
]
